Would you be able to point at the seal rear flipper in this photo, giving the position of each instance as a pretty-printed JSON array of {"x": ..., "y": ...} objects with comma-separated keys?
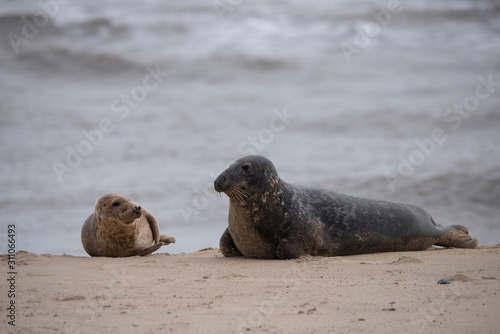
[
  {"x": 227, "y": 245},
  {"x": 457, "y": 236},
  {"x": 147, "y": 251},
  {"x": 166, "y": 239}
]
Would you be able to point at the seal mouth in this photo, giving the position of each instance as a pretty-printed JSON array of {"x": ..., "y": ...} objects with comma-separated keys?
[
  {"x": 239, "y": 193},
  {"x": 130, "y": 216},
  {"x": 138, "y": 210},
  {"x": 224, "y": 184}
]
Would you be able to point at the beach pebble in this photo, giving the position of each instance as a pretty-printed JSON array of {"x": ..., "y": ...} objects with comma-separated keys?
[{"x": 444, "y": 281}]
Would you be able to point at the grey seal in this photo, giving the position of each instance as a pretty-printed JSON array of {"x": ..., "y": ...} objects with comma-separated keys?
[
  {"x": 269, "y": 218},
  {"x": 120, "y": 228}
]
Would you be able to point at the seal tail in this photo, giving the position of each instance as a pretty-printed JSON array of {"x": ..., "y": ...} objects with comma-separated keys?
[{"x": 456, "y": 236}]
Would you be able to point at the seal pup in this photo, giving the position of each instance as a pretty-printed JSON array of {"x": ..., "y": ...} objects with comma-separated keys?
[
  {"x": 120, "y": 228},
  {"x": 269, "y": 218}
]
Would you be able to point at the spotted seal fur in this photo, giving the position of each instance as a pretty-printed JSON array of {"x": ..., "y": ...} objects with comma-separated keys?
[{"x": 269, "y": 218}]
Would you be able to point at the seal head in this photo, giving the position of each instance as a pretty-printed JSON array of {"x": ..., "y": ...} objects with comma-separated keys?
[
  {"x": 118, "y": 209},
  {"x": 257, "y": 211},
  {"x": 248, "y": 178}
]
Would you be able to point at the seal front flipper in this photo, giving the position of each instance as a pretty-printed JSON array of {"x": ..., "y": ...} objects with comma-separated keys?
[
  {"x": 153, "y": 224},
  {"x": 227, "y": 246},
  {"x": 159, "y": 239},
  {"x": 288, "y": 248}
]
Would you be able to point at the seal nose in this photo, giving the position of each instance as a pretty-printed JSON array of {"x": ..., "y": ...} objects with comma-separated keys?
[
  {"x": 137, "y": 208},
  {"x": 219, "y": 183}
]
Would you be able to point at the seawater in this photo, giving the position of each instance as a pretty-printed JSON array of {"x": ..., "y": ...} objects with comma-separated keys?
[{"x": 372, "y": 91}]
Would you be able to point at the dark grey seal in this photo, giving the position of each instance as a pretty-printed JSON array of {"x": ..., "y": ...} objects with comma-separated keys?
[{"x": 269, "y": 218}]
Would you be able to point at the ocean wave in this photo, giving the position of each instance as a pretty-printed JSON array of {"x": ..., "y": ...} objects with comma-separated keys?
[
  {"x": 408, "y": 16},
  {"x": 67, "y": 59},
  {"x": 480, "y": 188},
  {"x": 64, "y": 47},
  {"x": 92, "y": 27}
]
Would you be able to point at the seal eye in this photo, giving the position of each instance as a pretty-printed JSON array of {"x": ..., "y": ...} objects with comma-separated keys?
[
  {"x": 116, "y": 204},
  {"x": 246, "y": 168}
]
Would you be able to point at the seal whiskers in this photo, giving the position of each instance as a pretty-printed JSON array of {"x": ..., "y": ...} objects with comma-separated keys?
[
  {"x": 235, "y": 193},
  {"x": 217, "y": 194},
  {"x": 240, "y": 193}
]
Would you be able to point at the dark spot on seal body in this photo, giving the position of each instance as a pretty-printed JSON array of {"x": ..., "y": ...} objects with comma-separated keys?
[{"x": 269, "y": 218}]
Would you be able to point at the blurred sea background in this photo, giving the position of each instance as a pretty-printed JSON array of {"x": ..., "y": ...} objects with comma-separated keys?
[{"x": 336, "y": 96}]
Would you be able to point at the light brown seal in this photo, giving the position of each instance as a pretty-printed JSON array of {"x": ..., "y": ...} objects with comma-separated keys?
[{"x": 120, "y": 228}]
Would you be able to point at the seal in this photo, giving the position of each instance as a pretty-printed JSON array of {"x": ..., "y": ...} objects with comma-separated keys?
[
  {"x": 269, "y": 218},
  {"x": 120, "y": 228}
]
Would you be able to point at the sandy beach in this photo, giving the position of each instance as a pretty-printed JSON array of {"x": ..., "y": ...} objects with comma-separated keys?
[{"x": 204, "y": 292}]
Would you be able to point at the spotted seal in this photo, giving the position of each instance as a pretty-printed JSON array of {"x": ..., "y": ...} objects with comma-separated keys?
[
  {"x": 269, "y": 218},
  {"x": 120, "y": 228}
]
